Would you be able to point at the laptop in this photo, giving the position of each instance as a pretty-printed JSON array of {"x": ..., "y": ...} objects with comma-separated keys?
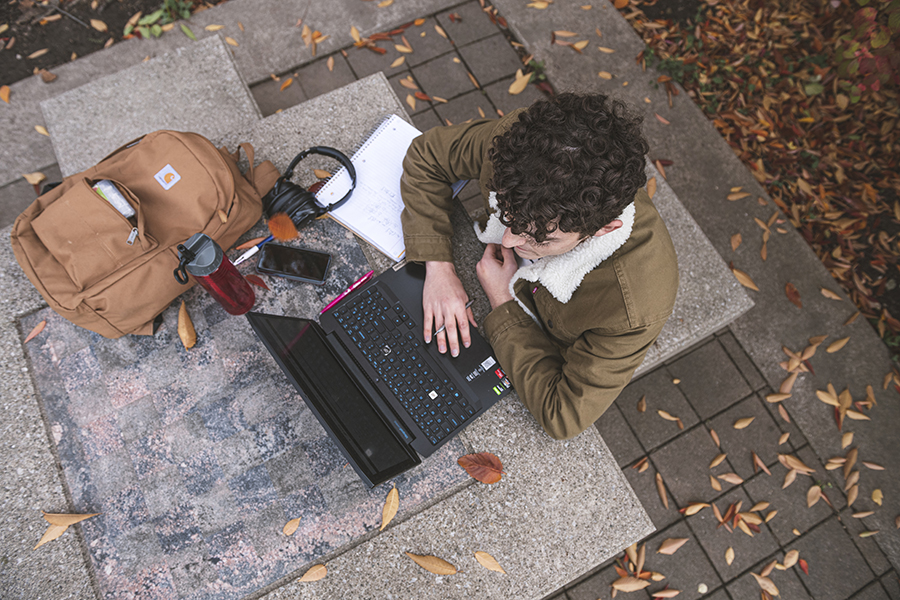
[{"x": 385, "y": 397}]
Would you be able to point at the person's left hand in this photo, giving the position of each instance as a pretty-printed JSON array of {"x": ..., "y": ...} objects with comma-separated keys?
[{"x": 495, "y": 270}]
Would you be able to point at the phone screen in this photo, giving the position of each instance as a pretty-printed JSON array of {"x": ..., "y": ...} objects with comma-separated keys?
[{"x": 294, "y": 263}]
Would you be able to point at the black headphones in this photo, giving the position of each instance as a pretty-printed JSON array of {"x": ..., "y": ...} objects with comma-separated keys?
[{"x": 300, "y": 204}]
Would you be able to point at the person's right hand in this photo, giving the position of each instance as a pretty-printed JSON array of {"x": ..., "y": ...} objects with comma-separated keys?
[{"x": 444, "y": 301}]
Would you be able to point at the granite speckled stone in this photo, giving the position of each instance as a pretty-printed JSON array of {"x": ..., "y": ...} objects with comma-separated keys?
[{"x": 158, "y": 94}]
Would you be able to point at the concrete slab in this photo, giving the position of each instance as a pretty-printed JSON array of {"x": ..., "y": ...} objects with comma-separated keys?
[{"x": 196, "y": 88}]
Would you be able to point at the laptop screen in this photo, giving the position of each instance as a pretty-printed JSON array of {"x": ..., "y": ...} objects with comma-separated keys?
[{"x": 302, "y": 354}]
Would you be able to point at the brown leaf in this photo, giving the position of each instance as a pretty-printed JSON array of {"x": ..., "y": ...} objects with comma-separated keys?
[
  {"x": 694, "y": 508},
  {"x": 788, "y": 384},
  {"x": 715, "y": 437},
  {"x": 732, "y": 478},
  {"x": 736, "y": 241},
  {"x": 873, "y": 466},
  {"x": 249, "y": 243},
  {"x": 207, "y": 28},
  {"x": 783, "y": 413},
  {"x": 186, "y": 327},
  {"x": 389, "y": 510},
  {"x": 813, "y": 495},
  {"x": 39, "y": 53},
  {"x": 620, "y": 4},
  {"x": 520, "y": 83},
  {"x": 473, "y": 80},
  {"x": 315, "y": 573},
  {"x": 744, "y": 279},
  {"x": 47, "y": 76},
  {"x": 758, "y": 462},
  {"x": 784, "y": 437},
  {"x": 58, "y": 525},
  {"x": 766, "y": 584},
  {"x": 642, "y": 404},
  {"x": 629, "y": 584},
  {"x": 286, "y": 83},
  {"x": 793, "y": 294},
  {"x": 483, "y": 466},
  {"x": 605, "y": 75},
  {"x": 775, "y": 398},
  {"x": 642, "y": 556},
  {"x": 651, "y": 187},
  {"x": 665, "y": 415},
  {"x": 223, "y": 216},
  {"x": 330, "y": 63},
  {"x": 321, "y": 174},
  {"x": 52, "y": 532},
  {"x": 737, "y": 196},
  {"x": 729, "y": 556},
  {"x": 852, "y": 494},
  {"x": 743, "y": 423},
  {"x": 35, "y": 331},
  {"x": 829, "y": 294},
  {"x": 440, "y": 31},
  {"x": 851, "y": 318},
  {"x": 661, "y": 490},
  {"x": 768, "y": 568},
  {"x": 661, "y": 119},
  {"x": 282, "y": 227},
  {"x": 488, "y": 562},
  {"x": 877, "y": 497},
  {"x": 714, "y": 484},
  {"x": 4, "y": 93},
  {"x": 790, "y": 559},
  {"x": 411, "y": 101},
  {"x": 232, "y": 42},
  {"x": 397, "y": 62},
  {"x": 792, "y": 462},
  {"x": 666, "y": 593},
  {"x": 759, "y": 506},
  {"x": 433, "y": 564},
  {"x": 291, "y": 526},
  {"x": 771, "y": 515},
  {"x": 99, "y": 25},
  {"x": 717, "y": 460},
  {"x": 837, "y": 345}
]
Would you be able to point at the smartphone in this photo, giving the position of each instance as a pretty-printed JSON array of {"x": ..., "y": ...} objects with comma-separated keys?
[{"x": 298, "y": 264}]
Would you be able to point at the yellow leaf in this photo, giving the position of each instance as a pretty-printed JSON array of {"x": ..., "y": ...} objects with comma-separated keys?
[
  {"x": 837, "y": 345},
  {"x": 564, "y": 33},
  {"x": 737, "y": 196},
  {"x": 433, "y": 564},
  {"x": 651, "y": 187},
  {"x": 4, "y": 27},
  {"x": 784, "y": 437},
  {"x": 759, "y": 506},
  {"x": 53, "y": 532},
  {"x": 214, "y": 27},
  {"x": 4, "y": 93},
  {"x": 580, "y": 45},
  {"x": 866, "y": 534},
  {"x": 168, "y": 27},
  {"x": 315, "y": 573},
  {"x": 717, "y": 460},
  {"x": 330, "y": 63},
  {"x": 732, "y": 478},
  {"x": 98, "y": 25},
  {"x": 857, "y": 416},
  {"x": 223, "y": 216},
  {"x": 661, "y": 489},
  {"x": 604, "y": 75},
  {"x": 605, "y": 50},
  {"x": 384, "y": 3},
  {"x": 186, "y": 327},
  {"x": 354, "y": 33},
  {"x": 629, "y": 584},
  {"x": 488, "y": 562},
  {"x": 521, "y": 82},
  {"x": 403, "y": 49},
  {"x": 714, "y": 484},
  {"x": 389, "y": 510},
  {"x": 693, "y": 509},
  {"x": 813, "y": 495},
  {"x": 671, "y": 545},
  {"x": 852, "y": 494},
  {"x": 411, "y": 101},
  {"x": 538, "y": 5},
  {"x": 321, "y": 174},
  {"x": 829, "y": 294},
  {"x": 729, "y": 556},
  {"x": 398, "y": 62},
  {"x": 620, "y": 3},
  {"x": 765, "y": 584},
  {"x": 41, "y": 130},
  {"x": 231, "y": 42},
  {"x": 418, "y": 22},
  {"x": 774, "y": 398},
  {"x": 39, "y": 53},
  {"x": 744, "y": 279},
  {"x": 291, "y": 526},
  {"x": 34, "y": 178},
  {"x": 877, "y": 497},
  {"x": 667, "y": 593},
  {"x": 66, "y": 519},
  {"x": 742, "y": 423},
  {"x": 440, "y": 31},
  {"x": 285, "y": 84}
]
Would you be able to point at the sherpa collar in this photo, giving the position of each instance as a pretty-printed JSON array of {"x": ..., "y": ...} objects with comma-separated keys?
[{"x": 562, "y": 274}]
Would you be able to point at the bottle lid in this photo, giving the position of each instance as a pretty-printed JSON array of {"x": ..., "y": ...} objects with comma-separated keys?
[{"x": 207, "y": 255}]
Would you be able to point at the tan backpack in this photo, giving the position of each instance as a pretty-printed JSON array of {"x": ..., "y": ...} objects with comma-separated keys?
[{"x": 112, "y": 274}]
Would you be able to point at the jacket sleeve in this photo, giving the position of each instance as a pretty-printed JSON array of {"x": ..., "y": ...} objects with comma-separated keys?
[
  {"x": 434, "y": 161},
  {"x": 568, "y": 392}
]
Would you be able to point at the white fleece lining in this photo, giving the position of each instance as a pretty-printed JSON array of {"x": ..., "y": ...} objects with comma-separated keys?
[{"x": 562, "y": 274}]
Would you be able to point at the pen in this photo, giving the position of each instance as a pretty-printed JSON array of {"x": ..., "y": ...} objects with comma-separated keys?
[
  {"x": 441, "y": 328},
  {"x": 253, "y": 250},
  {"x": 355, "y": 285}
]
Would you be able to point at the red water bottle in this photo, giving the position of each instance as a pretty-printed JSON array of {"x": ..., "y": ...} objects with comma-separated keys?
[{"x": 203, "y": 259}]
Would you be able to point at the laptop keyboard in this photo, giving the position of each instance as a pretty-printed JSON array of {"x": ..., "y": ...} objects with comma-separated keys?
[{"x": 386, "y": 336}]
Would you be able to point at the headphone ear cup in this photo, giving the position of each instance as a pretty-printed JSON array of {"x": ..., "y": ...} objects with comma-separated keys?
[
  {"x": 283, "y": 193},
  {"x": 302, "y": 208}
]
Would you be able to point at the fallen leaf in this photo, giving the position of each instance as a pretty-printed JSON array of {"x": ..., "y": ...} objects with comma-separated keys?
[
  {"x": 389, "y": 510},
  {"x": 411, "y": 101},
  {"x": 737, "y": 196},
  {"x": 661, "y": 119},
  {"x": 256, "y": 280},
  {"x": 433, "y": 564},
  {"x": 488, "y": 562},
  {"x": 282, "y": 227},
  {"x": 877, "y": 497},
  {"x": 829, "y": 294},
  {"x": 732, "y": 478},
  {"x": 58, "y": 525},
  {"x": 354, "y": 33},
  {"x": 771, "y": 515},
  {"x": 315, "y": 573},
  {"x": 186, "y": 327},
  {"x": 440, "y": 31},
  {"x": 787, "y": 385},
  {"x": 286, "y": 83},
  {"x": 768, "y": 568},
  {"x": 714, "y": 484},
  {"x": 774, "y": 398},
  {"x": 223, "y": 216},
  {"x": 620, "y": 3},
  {"x": 232, "y": 42},
  {"x": 629, "y": 584},
  {"x": 791, "y": 558},
  {"x": 717, "y": 460},
  {"x": 605, "y": 50},
  {"x": 291, "y": 526},
  {"x": 330, "y": 63},
  {"x": 766, "y": 584},
  {"x": 41, "y": 130},
  {"x": 665, "y": 415},
  {"x": 743, "y": 423},
  {"x": 783, "y": 413},
  {"x": 792, "y": 462},
  {"x": 249, "y": 243},
  {"x": 784, "y": 437},
  {"x": 651, "y": 187},
  {"x": 666, "y": 593},
  {"x": 214, "y": 27},
  {"x": 813, "y": 495},
  {"x": 4, "y": 93},
  {"x": 744, "y": 279},
  {"x": 321, "y": 173},
  {"x": 187, "y": 31},
  {"x": 641, "y": 558},
  {"x": 837, "y": 345},
  {"x": 384, "y": 3},
  {"x": 758, "y": 462},
  {"x": 857, "y": 416},
  {"x": 580, "y": 45},
  {"x": 642, "y": 404},
  {"x": 873, "y": 466},
  {"x": 736, "y": 240},
  {"x": 47, "y": 76},
  {"x": 398, "y": 62},
  {"x": 483, "y": 466},
  {"x": 729, "y": 556},
  {"x": 34, "y": 178},
  {"x": 759, "y": 506},
  {"x": 694, "y": 508},
  {"x": 39, "y": 53},
  {"x": 793, "y": 294},
  {"x": 99, "y": 25},
  {"x": 715, "y": 437},
  {"x": 35, "y": 331},
  {"x": 661, "y": 489},
  {"x": 604, "y": 75},
  {"x": 851, "y": 318}
]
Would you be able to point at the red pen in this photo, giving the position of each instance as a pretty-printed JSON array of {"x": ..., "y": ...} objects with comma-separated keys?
[{"x": 355, "y": 285}]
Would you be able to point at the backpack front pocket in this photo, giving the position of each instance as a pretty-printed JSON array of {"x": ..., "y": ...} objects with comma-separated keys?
[{"x": 90, "y": 238}]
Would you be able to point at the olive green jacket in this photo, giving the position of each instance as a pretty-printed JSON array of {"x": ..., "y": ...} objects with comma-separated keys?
[{"x": 581, "y": 322}]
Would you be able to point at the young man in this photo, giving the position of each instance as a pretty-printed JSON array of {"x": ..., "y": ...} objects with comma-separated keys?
[{"x": 579, "y": 268}]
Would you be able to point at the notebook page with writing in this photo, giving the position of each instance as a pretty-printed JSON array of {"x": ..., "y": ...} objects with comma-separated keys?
[{"x": 373, "y": 211}]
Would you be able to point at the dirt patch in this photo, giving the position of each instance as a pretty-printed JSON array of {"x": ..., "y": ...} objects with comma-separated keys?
[{"x": 29, "y": 31}]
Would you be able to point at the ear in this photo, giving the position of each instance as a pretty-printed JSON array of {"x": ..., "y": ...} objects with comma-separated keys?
[{"x": 613, "y": 225}]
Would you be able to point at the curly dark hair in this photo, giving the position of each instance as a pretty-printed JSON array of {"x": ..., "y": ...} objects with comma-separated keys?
[{"x": 573, "y": 163}]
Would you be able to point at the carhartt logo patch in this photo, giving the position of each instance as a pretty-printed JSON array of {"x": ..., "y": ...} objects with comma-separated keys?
[{"x": 167, "y": 177}]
